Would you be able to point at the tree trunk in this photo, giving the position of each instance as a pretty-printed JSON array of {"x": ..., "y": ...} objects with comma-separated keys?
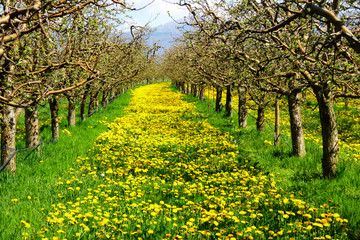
[
  {"x": 96, "y": 103},
  {"x": 260, "y": 121},
  {"x": 71, "y": 111},
  {"x": 92, "y": 104},
  {"x": 218, "y": 99},
  {"x": 8, "y": 133},
  {"x": 54, "y": 110},
  {"x": 325, "y": 98},
  {"x": 297, "y": 132},
  {"x": 83, "y": 102},
  {"x": 112, "y": 95},
  {"x": 202, "y": 92},
  {"x": 229, "y": 99},
  {"x": 187, "y": 88},
  {"x": 105, "y": 99},
  {"x": 196, "y": 90},
  {"x": 277, "y": 122},
  {"x": 83, "y": 108},
  {"x": 242, "y": 112},
  {"x": 182, "y": 87},
  {"x": 32, "y": 126}
]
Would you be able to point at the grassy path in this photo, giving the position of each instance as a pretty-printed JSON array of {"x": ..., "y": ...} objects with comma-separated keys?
[{"x": 162, "y": 172}]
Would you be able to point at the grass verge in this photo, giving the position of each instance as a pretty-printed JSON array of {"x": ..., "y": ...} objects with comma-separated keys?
[
  {"x": 298, "y": 175},
  {"x": 27, "y": 194}
]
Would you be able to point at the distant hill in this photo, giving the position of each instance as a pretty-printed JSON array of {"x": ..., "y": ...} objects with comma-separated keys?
[{"x": 165, "y": 34}]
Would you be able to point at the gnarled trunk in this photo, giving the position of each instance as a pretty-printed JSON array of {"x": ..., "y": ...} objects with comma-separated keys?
[
  {"x": 71, "y": 111},
  {"x": 229, "y": 99},
  {"x": 297, "y": 132},
  {"x": 8, "y": 140},
  {"x": 242, "y": 112},
  {"x": 32, "y": 126},
  {"x": 54, "y": 111},
  {"x": 329, "y": 131}
]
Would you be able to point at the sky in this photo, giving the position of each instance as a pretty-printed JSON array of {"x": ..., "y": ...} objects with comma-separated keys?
[{"x": 157, "y": 12}]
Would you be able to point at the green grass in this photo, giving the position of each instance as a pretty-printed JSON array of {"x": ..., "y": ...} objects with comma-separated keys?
[
  {"x": 161, "y": 171},
  {"x": 298, "y": 175},
  {"x": 37, "y": 172}
]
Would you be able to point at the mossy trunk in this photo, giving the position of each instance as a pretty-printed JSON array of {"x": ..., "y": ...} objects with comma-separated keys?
[
  {"x": 54, "y": 111},
  {"x": 297, "y": 132},
  {"x": 329, "y": 131}
]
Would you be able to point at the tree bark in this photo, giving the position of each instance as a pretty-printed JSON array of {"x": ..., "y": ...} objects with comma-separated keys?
[
  {"x": 112, "y": 95},
  {"x": 8, "y": 140},
  {"x": 242, "y": 112},
  {"x": 187, "y": 88},
  {"x": 92, "y": 103},
  {"x": 329, "y": 131},
  {"x": 71, "y": 111},
  {"x": 218, "y": 99},
  {"x": 96, "y": 103},
  {"x": 54, "y": 110},
  {"x": 32, "y": 126},
  {"x": 182, "y": 87},
  {"x": 83, "y": 102},
  {"x": 229, "y": 100},
  {"x": 105, "y": 99},
  {"x": 260, "y": 120},
  {"x": 83, "y": 108},
  {"x": 277, "y": 122},
  {"x": 297, "y": 132},
  {"x": 195, "y": 90},
  {"x": 202, "y": 92}
]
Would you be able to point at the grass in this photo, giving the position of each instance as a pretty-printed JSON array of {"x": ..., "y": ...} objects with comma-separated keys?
[
  {"x": 301, "y": 175},
  {"x": 25, "y": 195},
  {"x": 163, "y": 172}
]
